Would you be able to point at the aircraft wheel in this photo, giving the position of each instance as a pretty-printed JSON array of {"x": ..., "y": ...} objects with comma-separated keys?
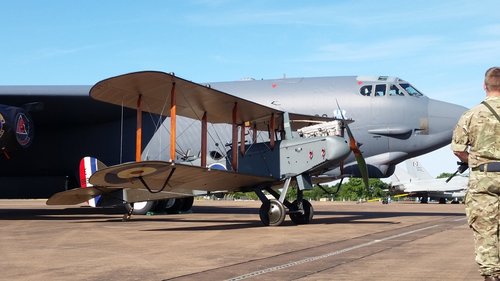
[
  {"x": 302, "y": 218},
  {"x": 174, "y": 206},
  {"x": 179, "y": 205},
  {"x": 163, "y": 205},
  {"x": 442, "y": 200},
  {"x": 140, "y": 208},
  {"x": 187, "y": 204},
  {"x": 272, "y": 213}
]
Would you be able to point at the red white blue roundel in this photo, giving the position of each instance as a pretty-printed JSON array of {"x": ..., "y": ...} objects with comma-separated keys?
[
  {"x": 24, "y": 129},
  {"x": 2, "y": 122}
]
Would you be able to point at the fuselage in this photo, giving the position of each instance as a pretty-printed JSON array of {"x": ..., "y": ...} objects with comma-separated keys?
[{"x": 393, "y": 121}]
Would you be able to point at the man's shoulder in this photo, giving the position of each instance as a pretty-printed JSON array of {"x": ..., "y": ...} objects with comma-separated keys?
[{"x": 493, "y": 101}]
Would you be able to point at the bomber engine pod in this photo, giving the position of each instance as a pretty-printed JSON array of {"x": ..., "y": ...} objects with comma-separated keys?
[{"x": 16, "y": 128}]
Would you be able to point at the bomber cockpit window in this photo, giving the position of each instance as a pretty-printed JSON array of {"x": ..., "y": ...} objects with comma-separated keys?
[
  {"x": 380, "y": 90},
  {"x": 395, "y": 91},
  {"x": 411, "y": 90},
  {"x": 366, "y": 90}
]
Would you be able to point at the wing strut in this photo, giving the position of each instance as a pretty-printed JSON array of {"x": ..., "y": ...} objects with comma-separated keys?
[
  {"x": 234, "y": 160},
  {"x": 254, "y": 136},
  {"x": 138, "y": 132},
  {"x": 173, "y": 119},
  {"x": 242, "y": 140},
  {"x": 272, "y": 136},
  {"x": 204, "y": 140}
]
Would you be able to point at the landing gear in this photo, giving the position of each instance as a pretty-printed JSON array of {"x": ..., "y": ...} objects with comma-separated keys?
[
  {"x": 139, "y": 208},
  {"x": 170, "y": 206},
  {"x": 442, "y": 200},
  {"x": 303, "y": 212},
  {"x": 272, "y": 212},
  {"x": 175, "y": 205},
  {"x": 128, "y": 215}
]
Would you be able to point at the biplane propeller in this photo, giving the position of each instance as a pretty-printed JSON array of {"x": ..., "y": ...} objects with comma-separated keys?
[
  {"x": 258, "y": 167},
  {"x": 354, "y": 146}
]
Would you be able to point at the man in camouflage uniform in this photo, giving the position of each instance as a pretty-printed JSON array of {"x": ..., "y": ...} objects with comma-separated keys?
[{"x": 476, "y": 141}]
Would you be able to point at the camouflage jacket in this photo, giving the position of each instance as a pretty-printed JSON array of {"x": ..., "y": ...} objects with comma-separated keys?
[{"x": 479, "y": 131}]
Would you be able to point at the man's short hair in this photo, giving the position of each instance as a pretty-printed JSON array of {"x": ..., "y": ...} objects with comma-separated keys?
[{"x": 492, "y": 79}]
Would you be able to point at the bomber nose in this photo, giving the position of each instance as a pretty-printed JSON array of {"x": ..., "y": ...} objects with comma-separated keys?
[{"x": 443, "y": 116}]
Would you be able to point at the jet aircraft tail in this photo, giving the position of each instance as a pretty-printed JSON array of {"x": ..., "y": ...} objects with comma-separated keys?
[{"x": 416, "y": 170}]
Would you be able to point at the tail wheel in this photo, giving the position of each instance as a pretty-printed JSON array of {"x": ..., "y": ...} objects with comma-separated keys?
[
  {"x": 140, "y": 208},
  {"x": 304, "y": 217},
  {"x": 272, "y": 213}
]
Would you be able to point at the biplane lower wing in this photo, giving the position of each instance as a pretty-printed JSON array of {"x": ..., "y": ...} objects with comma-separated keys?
[{"x": 160, "y": 176}]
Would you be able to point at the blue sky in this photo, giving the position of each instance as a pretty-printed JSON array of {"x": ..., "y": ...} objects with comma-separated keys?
[{"x": 442, "y": 47}]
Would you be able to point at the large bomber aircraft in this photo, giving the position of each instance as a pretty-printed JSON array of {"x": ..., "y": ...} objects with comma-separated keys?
[{"x": 393, "y": 122}]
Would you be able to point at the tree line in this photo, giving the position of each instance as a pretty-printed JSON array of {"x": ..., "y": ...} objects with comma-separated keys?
[{"x": 352, "y": 190}]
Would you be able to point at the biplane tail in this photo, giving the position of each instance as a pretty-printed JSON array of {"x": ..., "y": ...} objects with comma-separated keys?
[
  {"x": 86, "y": 192},
  {"x": 88, "y": 166}
]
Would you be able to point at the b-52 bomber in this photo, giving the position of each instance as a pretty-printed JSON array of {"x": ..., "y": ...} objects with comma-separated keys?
[{"x": 299, "y": 147}]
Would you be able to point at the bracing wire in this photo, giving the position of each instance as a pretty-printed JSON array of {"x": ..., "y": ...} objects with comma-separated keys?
[{"x": 121, "y": 135}]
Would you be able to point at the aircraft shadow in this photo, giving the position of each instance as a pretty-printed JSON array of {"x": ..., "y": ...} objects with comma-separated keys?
[
  {"x": 74, "y": 213},
  {"x": 334, "y": 217},
  {"x": 107, "y": 215}
]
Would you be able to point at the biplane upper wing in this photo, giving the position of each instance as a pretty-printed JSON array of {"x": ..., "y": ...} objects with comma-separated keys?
[
  {"x": 193, "y": 100},
  {"x": 160, "y": 176},
  {"x": 155, "y": 89}
]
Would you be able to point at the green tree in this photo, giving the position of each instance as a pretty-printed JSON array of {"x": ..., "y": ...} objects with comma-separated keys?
[
  {"x": 444, "y": 175},
  {"x": 355, "y": 189},
  {"x": 352, "y": 190}
]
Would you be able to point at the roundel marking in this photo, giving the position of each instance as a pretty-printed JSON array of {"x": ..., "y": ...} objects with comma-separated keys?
[
  {"x": 217, "y": 166},
  {"x": 24, "y": 130},
  {"x": 2, "y": 122}
]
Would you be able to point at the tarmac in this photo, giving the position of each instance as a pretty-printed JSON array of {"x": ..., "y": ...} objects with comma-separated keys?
[{"x": 225, "y": 240}]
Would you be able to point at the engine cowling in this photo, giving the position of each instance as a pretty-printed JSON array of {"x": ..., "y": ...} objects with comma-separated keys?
[{"x": 16, "y": 129}]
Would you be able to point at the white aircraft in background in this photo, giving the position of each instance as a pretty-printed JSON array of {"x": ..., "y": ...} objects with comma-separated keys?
[{"x": 417, "y": 182}]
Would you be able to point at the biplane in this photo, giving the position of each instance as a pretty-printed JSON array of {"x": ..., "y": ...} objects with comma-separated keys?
[{"x": 296, "y": 149}]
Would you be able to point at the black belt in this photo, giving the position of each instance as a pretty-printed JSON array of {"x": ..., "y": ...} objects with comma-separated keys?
[{"x": 489, "y": 167}]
